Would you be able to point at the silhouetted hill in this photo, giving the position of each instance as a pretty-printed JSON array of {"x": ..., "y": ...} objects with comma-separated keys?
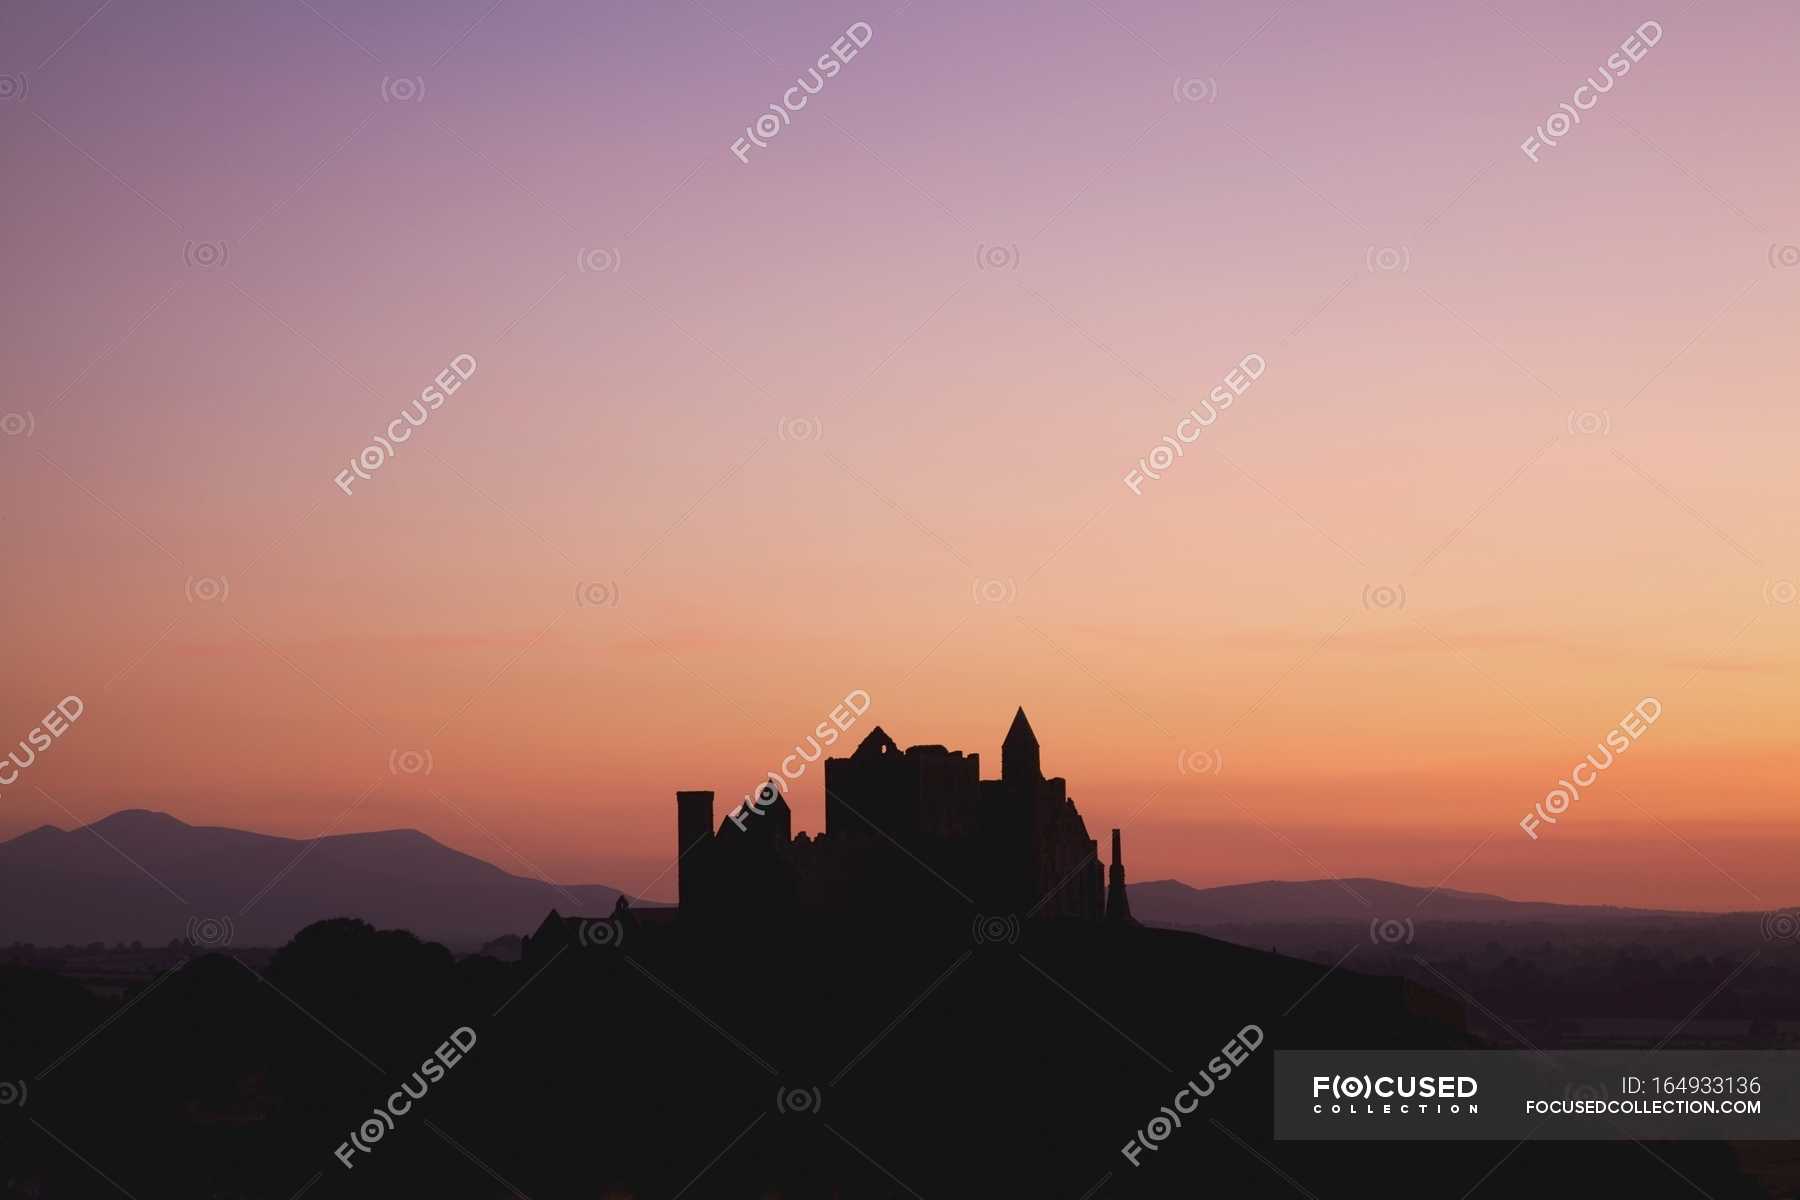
[
  {"x": 882, "y": 1056},
  {"x": 1172, "y": 903},
  {"x": 146, "y": 876}
]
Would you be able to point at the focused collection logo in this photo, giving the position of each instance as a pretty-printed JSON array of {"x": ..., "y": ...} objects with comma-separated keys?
[{"x": 1394, "y": 1095}]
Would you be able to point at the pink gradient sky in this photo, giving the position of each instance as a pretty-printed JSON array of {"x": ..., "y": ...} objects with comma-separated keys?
[{"x": 1413, "y": 429}]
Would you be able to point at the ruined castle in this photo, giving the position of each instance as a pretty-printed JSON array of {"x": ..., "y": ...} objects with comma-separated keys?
[{"x": 894, "y": 820}]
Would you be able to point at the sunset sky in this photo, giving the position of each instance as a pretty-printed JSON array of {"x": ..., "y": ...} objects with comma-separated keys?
[{"x": 857, "y": 412}]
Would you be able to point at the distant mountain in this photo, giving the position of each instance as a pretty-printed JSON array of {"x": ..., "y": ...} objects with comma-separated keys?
[
  {"x": 146, "y": 876},
  {"x": 1278, "y": 902}
]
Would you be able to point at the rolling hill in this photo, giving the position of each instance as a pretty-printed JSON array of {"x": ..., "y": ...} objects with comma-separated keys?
[
  {"x": 1317, "y": 901},
  {"x": 146, "y": 876}
]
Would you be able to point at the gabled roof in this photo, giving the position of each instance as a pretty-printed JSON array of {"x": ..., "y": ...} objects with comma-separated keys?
[{"x": 878, "y": 742}]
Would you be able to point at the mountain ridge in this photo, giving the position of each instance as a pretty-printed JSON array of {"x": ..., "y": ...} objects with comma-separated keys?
[
  {"x": 146, "y": 875},
  {"x": 1360, "y": 899}
]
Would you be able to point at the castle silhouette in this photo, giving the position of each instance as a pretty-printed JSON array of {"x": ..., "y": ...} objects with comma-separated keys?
[{"x": 906, "y": 832}]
